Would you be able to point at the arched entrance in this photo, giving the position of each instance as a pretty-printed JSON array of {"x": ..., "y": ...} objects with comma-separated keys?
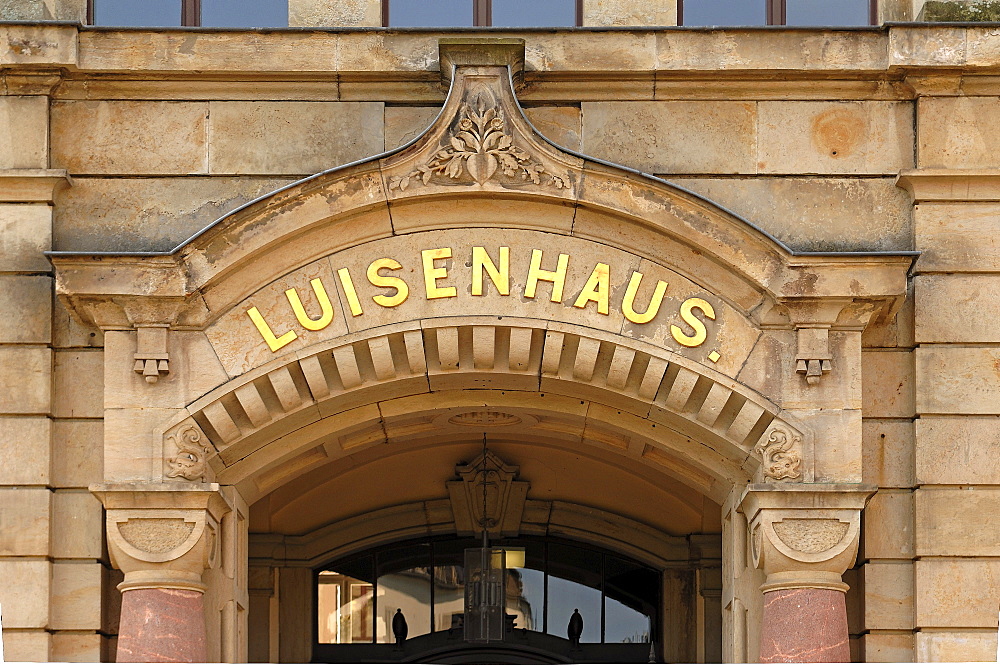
[{"x": 312, "y": 369}]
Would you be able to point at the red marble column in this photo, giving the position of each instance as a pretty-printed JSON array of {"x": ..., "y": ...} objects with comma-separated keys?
[
  {"x": 805, "y": 626},
  {"x": 162, "y": 626}
]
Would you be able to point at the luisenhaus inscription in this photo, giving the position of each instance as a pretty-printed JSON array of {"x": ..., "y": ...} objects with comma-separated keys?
[{"x": 489, "y": 271}]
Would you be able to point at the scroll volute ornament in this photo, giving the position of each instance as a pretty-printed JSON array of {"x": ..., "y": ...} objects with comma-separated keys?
[{"x": 804, "y": 536}]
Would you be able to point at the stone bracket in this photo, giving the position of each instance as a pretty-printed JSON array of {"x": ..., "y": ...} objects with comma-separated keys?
[
  {"x": 151, "y": 357},
  {"x": 813, "y": 319},
  {"x": 813, "y": 358},
  {"x": 504, "y": 497}
]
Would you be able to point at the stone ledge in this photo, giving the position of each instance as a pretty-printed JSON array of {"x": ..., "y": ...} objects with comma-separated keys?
[
  {"x": 951, "y": 184},
  {"x": 31, "y": 185}
]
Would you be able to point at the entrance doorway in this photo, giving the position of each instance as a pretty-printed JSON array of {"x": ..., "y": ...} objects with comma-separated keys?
[{"x": 547, "y": 581}]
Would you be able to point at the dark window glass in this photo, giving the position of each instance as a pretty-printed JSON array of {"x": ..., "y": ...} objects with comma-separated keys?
[
  {"x": 826, "y": 12},
  {"x": 130, "y": 13},
  {"x": 574, "y": 583},
  {"x": 244, "y": 13},
  {"x": 436, "y": 14},
  {"x": 631, "y": 597},
  {"x": 533, "y": 13},
  {"x": 725, "y": 12}
]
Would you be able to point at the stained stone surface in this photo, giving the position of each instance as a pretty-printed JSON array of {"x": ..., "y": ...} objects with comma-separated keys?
[
  {"x": 804, "y": 626},
  {"x": 161, "y": 626}
]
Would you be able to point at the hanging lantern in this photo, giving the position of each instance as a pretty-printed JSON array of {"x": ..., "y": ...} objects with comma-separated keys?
[{"x": 485, "y": 594}]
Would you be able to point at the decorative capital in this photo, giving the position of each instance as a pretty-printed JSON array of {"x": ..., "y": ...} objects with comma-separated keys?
[
  {"x": 804, "y": 536},
  {"x": 163, "y": 536}
]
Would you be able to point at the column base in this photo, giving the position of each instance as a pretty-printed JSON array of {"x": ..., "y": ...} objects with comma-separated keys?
[
  {"x": 805, "y": 626},
  {"x": 162, "y": 626}
]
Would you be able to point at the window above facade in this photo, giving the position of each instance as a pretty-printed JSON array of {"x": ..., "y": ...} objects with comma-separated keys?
[
  {"x": 173, "y": 13},
  {"x": 485, "y": 13},
  {"x": 776, "y": 12}
]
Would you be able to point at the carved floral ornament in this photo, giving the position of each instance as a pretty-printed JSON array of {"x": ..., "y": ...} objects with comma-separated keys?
[{"x": 479, "y": 148}]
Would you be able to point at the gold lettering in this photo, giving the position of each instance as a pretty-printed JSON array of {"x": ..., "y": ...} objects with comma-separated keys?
[
  {"x": 350, "y": 292},
  {"x": 388, "y": 282},
  {"x": 628, "y": 304},
  {"x": 500, "y": 277},
  {"x": 432, "y": 274},
  {"x": 273, "y": 342},
  {"x": 536, "y": 274},
  {"x": 596, "y": 289},
  {"x": 326, "y": 307},
  {"x": 700, "y": 332}
]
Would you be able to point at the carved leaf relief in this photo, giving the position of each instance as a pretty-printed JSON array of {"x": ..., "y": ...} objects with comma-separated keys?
[
  {"x": 780, "y": 454},
  {"x": 480, "y": 149},
  {"x": 811, "y": 536}
]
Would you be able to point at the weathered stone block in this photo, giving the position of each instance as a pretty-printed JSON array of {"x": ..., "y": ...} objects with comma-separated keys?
[
  {"x": 957, "y": 593},
  {"x": 78, "y": 522},
  {"x": 834, "y": 137},
  {"x": 560, "y": 124},
  {"x": 888, "y": 647},
  {"x": 24, "y": 448},
  {"x": 24, "y": 521},
  {"x": 130, "y": 138},
  {"x": 405, "y": 123},
  {"x": 77, "y": 452},
  {"x": 888, "y": 525},
  {"x": 957, "y": 308},
  {"x": 76, "y": 596},
  {"x": 24, "y": 137},
  {"x": 131, "y": 449},
  {"x": 43, "y": 10},
  {"x": 673, "y": 137},
  {"x": 25, "y": 379},
  {"x": 628, "y": 12},
  {"x": 76, "y": 647},
  {"x": 334, "y": 13},
  {"x": 957, "y": 132},
  {"x": 150, "y": 214},
  {"x": 887, "y": 384},
  {"x": 25, "y": 604},
  {"x": 955, "y": 451},
  {"x": 817, "y": 214},
  {"x": 67, "y": 332},
  {"x": 958, "y": 380},
  {"x": 29, "y": 646},
  {"x": 292, "y": 137},
  {"x": 956, "y": 646},
  {"x": 950, "y": 236},
  {"x": 943, "y": 521},
  {"x": 26, "y": 304},
  {"x": 888, "y": 457},
  {"x": 25, "y": 232},
  {"x": 894, "y": 333},
  {"x": 888, "y": 595},
  {"x": 77, "y": 382}
]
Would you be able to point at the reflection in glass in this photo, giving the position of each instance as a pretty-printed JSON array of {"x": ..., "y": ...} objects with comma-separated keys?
[
  {"x": 725, "y": 12},
  {"x": 526, "y": 597},
  {"x": 244, "y": 13},
  {"x": 410, "y": 591},
  {"x": 826, "y": 12},
  {"x": 566, "y": 596},
  {"x": 449, "y": 597},
  {"x": 345, "y": 609},
  {"x": 631, "y": 599},
  {"x": 531, "y": 13},
  {"x": 145, "y": 14},
  {"x": 423, "y": 14}
]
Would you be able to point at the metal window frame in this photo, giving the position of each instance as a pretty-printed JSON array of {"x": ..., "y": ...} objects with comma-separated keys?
[
  {"x": 482, "y": 14},
  {"x": 774, "y": 12}
]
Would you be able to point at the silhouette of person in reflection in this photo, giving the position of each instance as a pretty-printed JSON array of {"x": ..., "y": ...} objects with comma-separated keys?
[
  {"x": 399, "y": 628},
  {"x": 575, "y": 628}
]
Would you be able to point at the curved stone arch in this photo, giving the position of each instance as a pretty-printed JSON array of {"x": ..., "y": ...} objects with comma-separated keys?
[
  {"x": 306, "y": 409},
  {"x": 422, "y": 519}
]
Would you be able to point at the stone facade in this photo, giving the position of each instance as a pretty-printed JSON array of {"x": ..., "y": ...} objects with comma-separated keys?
[{"x": 829, "y": 197}]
